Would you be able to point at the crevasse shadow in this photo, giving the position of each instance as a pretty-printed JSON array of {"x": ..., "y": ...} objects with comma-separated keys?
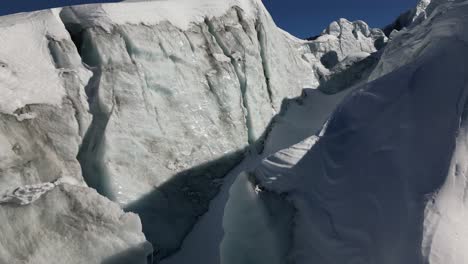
[{"x": 170, "y": 211}]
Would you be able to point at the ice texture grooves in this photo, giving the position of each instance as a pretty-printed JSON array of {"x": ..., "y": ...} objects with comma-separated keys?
[{"x": 174, "y": 109}]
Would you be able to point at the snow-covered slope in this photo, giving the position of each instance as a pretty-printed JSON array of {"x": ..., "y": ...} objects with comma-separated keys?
[{"x": 385, "y": 180}]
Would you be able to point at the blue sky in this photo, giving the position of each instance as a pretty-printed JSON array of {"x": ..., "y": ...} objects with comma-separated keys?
[
  {"x": 302, "y": 18},
  {"x": 306, "y": 18}
]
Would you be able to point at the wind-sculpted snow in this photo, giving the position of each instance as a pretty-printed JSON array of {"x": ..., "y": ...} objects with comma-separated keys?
[
  {"x": 375, "y": 177},
  {"x": 360, "y": 191}
]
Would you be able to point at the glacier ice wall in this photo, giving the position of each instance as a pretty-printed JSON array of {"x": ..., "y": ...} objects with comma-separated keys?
[{"x": 189, "y": 96}]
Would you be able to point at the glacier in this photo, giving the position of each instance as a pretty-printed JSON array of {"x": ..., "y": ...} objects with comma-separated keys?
[
  {"x": 222, "y": 75},
  {"x": 185, "y": 131}
]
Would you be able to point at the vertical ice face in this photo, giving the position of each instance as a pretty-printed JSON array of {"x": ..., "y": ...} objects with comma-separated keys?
[
  {"x": 43, "y": 119},
  {"x": 176, "y": 95},
  {"x": 174, "y": 105}
]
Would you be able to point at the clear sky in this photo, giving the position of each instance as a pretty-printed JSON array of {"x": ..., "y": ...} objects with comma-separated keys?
[
  {"x": 302, "y": 18},
  {"x": 306, "y": 18}
]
